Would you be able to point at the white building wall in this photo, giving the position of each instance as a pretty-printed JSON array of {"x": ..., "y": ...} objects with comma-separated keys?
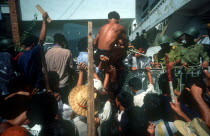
[
  {"x": 77, "y": 9},
  {"x": 161, "y": 11}
]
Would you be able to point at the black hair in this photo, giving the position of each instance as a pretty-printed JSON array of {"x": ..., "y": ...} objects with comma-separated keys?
[
  {"x": 125, "y": 99},
  {"x": 30, "y": 40},
  {"x": 59, "y": 38},
  {"x": 164, "y": 85},
  {"x": 43, "y": 108},
  {"x": 186, "y": 97},
  {"x": 137, "y": 122},
  {"x": 59, "y": 128},
  {"x": 18, "y": 83},
  {"x": 14, "y": 106},
  {"x": 114, "y": 15},
  {"x": 135, "y": 83},
  {"x": 53, "y": 80},
  {"x": 153, "y": 106},
  {"x": 198, "y": 82},
  {"x": 83, "y": 44}
]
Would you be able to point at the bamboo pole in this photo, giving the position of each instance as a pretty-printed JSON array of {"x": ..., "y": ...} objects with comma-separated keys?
[{"x": 90, "y": 107}]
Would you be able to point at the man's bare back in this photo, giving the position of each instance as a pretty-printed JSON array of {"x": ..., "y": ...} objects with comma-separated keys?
[{"x": 109, "y": 35}]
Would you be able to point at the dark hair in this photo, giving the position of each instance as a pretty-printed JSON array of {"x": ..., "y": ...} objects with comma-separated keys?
[
  {"x": 137, "y": 122},
  {"x": 53, "y": 80},
  {"x": 153, "y": 106},
  {"x": 125, "y": 99},
  {"x": 198, "y": 82},
  {"x": 30, "y": 41},
  {"x": 114, "y": 15},
  {"x": 59, "y": 38},
  {"x": 14, "y": 106},
  {"x": 135, "y": 83},
  {"x": 164, "y": 85},
  {"x": 186, "y": 97},
  {"x": 18, "y": 83},
  {"x": 83, "y": 44},
  {"x": 59, "y": 128},
  {"x": 43, "y": 108}
]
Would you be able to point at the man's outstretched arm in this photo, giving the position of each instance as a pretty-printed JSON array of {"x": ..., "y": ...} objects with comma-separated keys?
[
  {"x": 204, "y": 109},
  {"x": 42, "y": 35}
]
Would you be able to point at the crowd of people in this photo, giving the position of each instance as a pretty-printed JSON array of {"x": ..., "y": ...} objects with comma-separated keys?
[{"x": 45, "y": 93}]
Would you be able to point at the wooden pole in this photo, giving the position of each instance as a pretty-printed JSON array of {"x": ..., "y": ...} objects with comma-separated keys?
[
  {"x": 14, "y": 20},
  {"x": 90, "y": 106}
]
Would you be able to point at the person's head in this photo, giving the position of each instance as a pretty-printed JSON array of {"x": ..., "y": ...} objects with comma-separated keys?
[
  {"x": 16, "y": 131},
  {"x": 153, "y": 106},
  {"x": 135, "y": 84},
  {"x": 42, "y": 109},
  {"x": 6, "y": 45},
  {"x": 59, "y": 128},
  {"x": 30, "y": 41},
  {"x": 191, "y": 34},
  {"x": 137, "y": 122},
  {"x": 114, "y": 15},
  {"x": 124, "y": 99},
  {"x": 13, "y": 106},
  {"x": 137, "y": 33},
  {"x": 164, "y": 85},
  {"x": 186, "y": 97},
  {"x": 83, "y": 44},
  {"x": 53, "y": 81},
  {"x": 60, "y": 39},
  {"x": 164, "y": 42},
  {"x": 19, "y": 83},
  {"x": 178, "y": 36}
]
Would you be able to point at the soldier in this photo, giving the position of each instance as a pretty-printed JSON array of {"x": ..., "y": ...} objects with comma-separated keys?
[
  {"x": 192, "y": 51},
  {"x": 172, "y": 51},
  {"x": 178, "y": 38}
]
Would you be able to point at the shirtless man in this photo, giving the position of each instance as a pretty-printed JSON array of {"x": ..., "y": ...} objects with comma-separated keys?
[{"x": 108, "y": 36}]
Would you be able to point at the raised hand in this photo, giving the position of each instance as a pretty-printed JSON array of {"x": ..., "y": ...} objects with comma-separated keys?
[
  {"x": 151, "y": 129},
  {"x": 45, "y": 16},
  {"x": 82, "y": 66},
  {"x": 176, "y": 106}
]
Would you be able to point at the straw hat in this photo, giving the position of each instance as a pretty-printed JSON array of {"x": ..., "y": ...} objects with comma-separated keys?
[
  {"x": 78, "y": 100},
  {"x": 193, "y": 128}
]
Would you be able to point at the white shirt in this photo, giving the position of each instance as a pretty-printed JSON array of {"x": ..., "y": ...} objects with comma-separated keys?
[{"x": 139, "y": 97}]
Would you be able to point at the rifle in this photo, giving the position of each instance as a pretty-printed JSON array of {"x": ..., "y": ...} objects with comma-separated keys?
[{"x": 168, "y": 68}]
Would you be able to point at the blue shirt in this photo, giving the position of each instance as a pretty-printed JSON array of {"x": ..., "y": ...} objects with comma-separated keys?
[
  {"x": 6, "y": 72},
  {"x": 30, "y": 65}
]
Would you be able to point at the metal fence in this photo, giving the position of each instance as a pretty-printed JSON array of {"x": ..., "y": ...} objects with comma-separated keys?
[{"x": 181, "y": 73}]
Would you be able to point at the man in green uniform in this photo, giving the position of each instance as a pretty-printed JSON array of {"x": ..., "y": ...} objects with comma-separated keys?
[
  {"x": 192, "y": 51},
  {"x": 178, "y": 38},
  {"x": 172, "y": 51}
]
